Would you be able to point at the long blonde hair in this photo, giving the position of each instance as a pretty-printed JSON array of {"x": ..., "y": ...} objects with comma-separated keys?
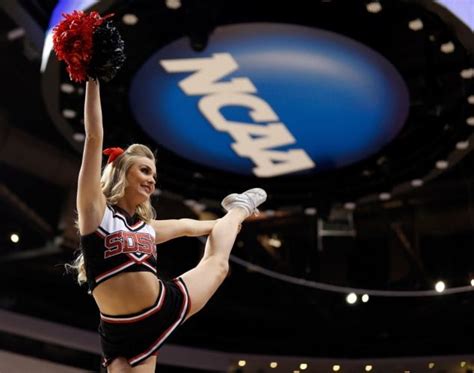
[{"x": 113, "y": 183}]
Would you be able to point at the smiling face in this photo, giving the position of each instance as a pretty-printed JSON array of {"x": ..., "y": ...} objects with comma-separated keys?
[{"x": 141, "y": 179}]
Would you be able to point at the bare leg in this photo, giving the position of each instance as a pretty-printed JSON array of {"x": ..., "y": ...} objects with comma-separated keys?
[
  {"x": 148, "y": 366},
  {"x": 120, "y": 365},
  {"x": 203, "y": 280}
]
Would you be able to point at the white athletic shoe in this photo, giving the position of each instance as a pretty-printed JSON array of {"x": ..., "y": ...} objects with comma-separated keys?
[{"x": 248, "y": 200}]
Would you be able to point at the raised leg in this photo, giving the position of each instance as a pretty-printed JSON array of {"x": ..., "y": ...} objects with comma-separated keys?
[{"x": 203, "y": 280}]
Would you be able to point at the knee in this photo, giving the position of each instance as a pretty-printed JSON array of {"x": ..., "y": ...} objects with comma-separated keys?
[{"x": 221, "y": 267}]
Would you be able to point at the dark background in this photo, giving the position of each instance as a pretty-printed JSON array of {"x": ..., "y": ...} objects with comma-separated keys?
[{"x": 407, "y": 243}]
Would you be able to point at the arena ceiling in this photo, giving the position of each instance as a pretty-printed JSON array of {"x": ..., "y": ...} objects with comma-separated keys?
[{"x": 395, "y": 221}]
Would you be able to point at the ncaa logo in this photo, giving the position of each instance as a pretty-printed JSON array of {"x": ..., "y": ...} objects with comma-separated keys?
[{"x": 270, "y": 100}]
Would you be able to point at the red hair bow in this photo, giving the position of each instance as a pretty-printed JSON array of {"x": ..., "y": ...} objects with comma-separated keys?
[{"x": 113, "y": 153}]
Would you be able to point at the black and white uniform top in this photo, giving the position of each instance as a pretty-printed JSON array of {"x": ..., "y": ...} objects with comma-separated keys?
[{"x": 120, "y": 244}]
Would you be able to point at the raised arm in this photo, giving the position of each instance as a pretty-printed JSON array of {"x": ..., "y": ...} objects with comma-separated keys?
[
  {"x": 168, "y": 229},
  {"x": 90, "y": 199}
]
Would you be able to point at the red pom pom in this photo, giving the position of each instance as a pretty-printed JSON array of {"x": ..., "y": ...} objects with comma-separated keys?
[{"x": 72, "y": 41}]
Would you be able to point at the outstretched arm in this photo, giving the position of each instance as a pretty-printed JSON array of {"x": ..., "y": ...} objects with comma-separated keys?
[
  {"x": 168, "y": 229},
  {"x": 90, "y": 199}
]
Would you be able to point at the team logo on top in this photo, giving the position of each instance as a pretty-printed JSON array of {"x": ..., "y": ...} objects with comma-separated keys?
[
  {"x": 139, "y": 245},
  {"x": 270, "y": 100}
]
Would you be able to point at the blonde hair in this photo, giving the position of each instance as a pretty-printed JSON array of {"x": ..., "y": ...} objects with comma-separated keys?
[{"x": 113, "y": 183}]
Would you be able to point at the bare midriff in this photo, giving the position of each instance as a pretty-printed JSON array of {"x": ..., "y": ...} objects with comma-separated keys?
[{"x": 127, "y": 293}]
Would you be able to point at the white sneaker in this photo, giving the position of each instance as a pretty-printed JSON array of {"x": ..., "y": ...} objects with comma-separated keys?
[{"x": 248, "y": 200}]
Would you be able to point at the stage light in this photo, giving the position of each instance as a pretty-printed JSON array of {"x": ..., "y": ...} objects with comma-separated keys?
[
  {"x": 67, "y": 88},
  {"x": 310, "y": 211},
  {"x": 416, "y": 24},
  {"x": 130, "y": 19},
  {"x": 349, "y": 206},
  {"x": 467, "y": 73},
  {"x": 351, "y": 298},
  {"x": 69, "y": 113},
  {"x": 462, "y": 145},
  {"x": 173, "y": 4},
  {"x": 374, "y": 7},
  {"x": 385, "y": 196},
  {"x": 15, "y": 238},
  {"x": 442, "y": 165},
  {"x": 79, "y": 137},
  {"x": 447, "y": 47},
  {"x": 440, "y": 286}
]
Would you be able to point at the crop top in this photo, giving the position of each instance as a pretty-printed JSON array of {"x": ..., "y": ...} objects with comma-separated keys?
[{"x": 119, "y": 244}]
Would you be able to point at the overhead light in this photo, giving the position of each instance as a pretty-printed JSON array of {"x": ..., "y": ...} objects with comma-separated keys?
[
  {"x": 15, "y": 238},
  {"x": 385, "y": 196},
  {"x": 273, "y": 364},
  {"x": 79, "y": 137},
  {"x": 431, "y": 365},
  {"x": 365, "y": 298},
  {"x": 442, "y": 165},
  {"x": 242, "y": 363},
  {"x": 470, "y": 121},
  {"x": 368, "y": 368},
  {"x": 447, "y": 47},
  {"x": 303, "y": 366},
  {"x": 467, "y": 73},
  {"x": 349, "y": 206},
  {"x": 69, "y": 113},
  {"x": 130, "y": 19},
  {"x": 472, "y": 282},
  {"x": 351, "y": 298},
  {"x": 416, "y": 183},
  {"x": 462, "y": 145},
  {"x": 173, "y": 4},
  {"x": 470, "y": 99},
  {"x": 336, "y": 368},
  {"x": 374, "y": 7},
  {"x": 440, "y": 286},
  {"x": 310, "y": 211},
  {"x": 67, "y": 88},
  {"x": 416, "y": 24}
]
